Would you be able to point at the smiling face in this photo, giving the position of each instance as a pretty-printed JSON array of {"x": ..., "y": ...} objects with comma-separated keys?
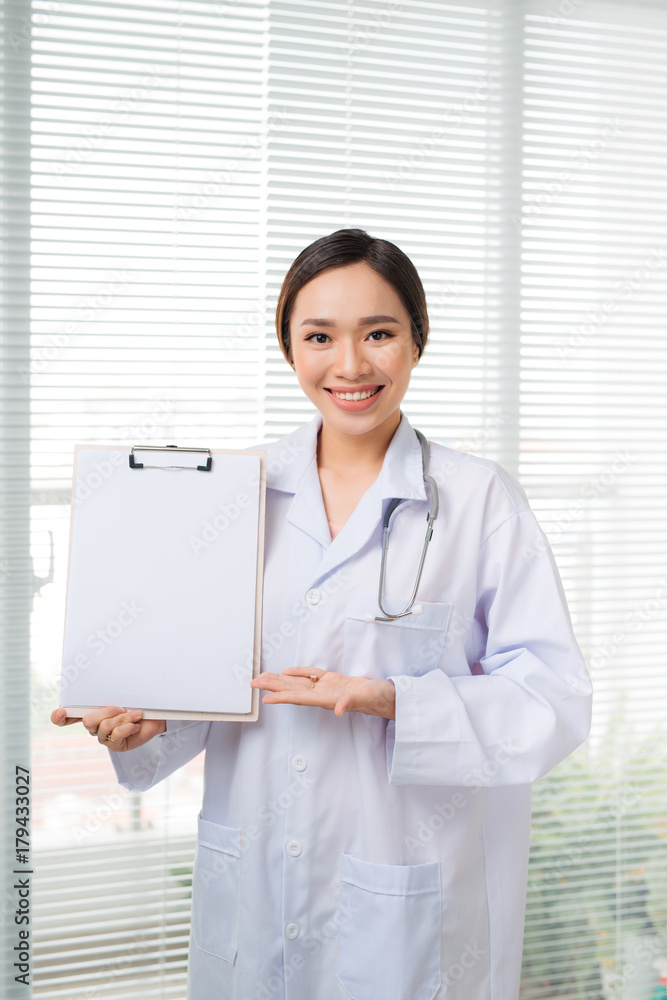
[{"x": 353, "y": 349}]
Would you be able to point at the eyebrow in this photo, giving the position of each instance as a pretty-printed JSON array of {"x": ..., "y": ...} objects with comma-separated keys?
[{"x": 364, "y": 321}]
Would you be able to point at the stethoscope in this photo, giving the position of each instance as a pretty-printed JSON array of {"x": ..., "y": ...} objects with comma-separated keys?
[{"x": 389, "y": 516}]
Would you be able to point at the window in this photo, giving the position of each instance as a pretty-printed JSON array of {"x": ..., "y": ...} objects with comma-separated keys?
[{"x": 162, "y": 164}]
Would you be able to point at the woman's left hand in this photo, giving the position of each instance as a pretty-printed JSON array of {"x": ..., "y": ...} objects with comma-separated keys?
[{"x": 339, "y": 692}]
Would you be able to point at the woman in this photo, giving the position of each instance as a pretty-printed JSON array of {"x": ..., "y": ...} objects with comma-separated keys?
[{"x": 368, "y": 836}]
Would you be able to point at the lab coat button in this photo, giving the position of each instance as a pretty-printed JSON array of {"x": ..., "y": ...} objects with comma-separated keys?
[
  {"x": 294, "y": 848},
  {"x": 313, "y": 596},
  {"x": 292, "y": 931},
  {"x": 299, "y": 763}
]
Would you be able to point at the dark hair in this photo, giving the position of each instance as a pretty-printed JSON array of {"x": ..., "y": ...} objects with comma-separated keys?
[{"x": 353, "y": 246}]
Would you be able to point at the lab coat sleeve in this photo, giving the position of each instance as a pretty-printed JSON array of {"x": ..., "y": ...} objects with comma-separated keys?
[
  {"x": 530, "y": 707},
  {"x": 142, "y": 768}
]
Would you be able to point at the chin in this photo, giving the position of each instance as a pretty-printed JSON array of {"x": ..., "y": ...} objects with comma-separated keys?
[{"x": 359, "y": 423}]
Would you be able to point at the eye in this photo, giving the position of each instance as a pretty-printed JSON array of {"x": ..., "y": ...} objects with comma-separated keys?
[
  {"x": 378, "y": 335},
  {"x": 318, "y": 338}
]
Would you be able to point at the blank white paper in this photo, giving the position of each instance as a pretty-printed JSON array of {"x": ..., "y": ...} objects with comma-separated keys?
[{"x": 162, "y": 583}]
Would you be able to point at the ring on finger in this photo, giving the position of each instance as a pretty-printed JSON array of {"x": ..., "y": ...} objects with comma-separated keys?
[{"x": 109, "y": 740}]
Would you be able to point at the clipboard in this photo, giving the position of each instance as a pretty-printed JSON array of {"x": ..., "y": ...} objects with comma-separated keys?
[{"x": 164, "y": 581}]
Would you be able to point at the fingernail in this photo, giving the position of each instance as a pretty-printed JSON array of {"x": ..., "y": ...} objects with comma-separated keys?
[{"x": 136, "y": 713}]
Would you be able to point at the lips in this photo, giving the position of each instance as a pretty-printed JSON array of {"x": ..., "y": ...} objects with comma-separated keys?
[
  {"x": 356, "y": 398},
  {"x": 356, "y": 393}
]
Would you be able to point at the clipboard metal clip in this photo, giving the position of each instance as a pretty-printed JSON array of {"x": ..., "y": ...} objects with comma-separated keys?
[{"x": 170, "y": 448}]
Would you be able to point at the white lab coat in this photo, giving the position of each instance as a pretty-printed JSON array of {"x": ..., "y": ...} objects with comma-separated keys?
[{"x": 357, "y": 857}]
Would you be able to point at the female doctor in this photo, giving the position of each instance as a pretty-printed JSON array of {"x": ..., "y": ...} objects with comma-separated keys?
[{"x": 368, "y": 837}]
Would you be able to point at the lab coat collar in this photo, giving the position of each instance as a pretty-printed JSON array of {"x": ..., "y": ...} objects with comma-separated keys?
[
  {"x": 402, "y": 474},
  {"x": 292, "y": 468},
  {"x": 290, "y": 459}
]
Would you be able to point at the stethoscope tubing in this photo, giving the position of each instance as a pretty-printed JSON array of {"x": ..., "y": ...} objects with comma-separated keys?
[{"x": 392, "y": 509}]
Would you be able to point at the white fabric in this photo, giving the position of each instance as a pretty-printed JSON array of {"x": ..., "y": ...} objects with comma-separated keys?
[{"x": 356, "y": 857}]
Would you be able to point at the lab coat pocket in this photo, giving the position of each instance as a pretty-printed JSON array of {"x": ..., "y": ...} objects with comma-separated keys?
[
  {"x": 389, "y": 930},
  {"x": 410, "y": 645},
  {"x": 215, "y": 891}
]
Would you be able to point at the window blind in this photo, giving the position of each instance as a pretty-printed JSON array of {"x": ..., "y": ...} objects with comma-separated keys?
[
  {"x": 182, "y": 154},
  {"x": 16, "y": 572},
  {"x": 398, "y": 132},
  {"x": 147, "y": 130},
  {"x": 593, "y": 419}
]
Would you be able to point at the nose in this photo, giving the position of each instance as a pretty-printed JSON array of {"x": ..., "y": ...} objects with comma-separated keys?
[{"x": 351, "y": 361}]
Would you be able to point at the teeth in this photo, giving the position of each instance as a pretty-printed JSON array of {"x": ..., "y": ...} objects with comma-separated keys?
[{"x": 354, "y": 395}]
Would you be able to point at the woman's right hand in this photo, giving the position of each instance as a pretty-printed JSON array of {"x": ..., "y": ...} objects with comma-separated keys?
[{"x": 115, "y": 728}]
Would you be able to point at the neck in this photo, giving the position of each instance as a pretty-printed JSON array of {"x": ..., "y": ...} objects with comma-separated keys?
[{"x": 349, "y": 452}]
